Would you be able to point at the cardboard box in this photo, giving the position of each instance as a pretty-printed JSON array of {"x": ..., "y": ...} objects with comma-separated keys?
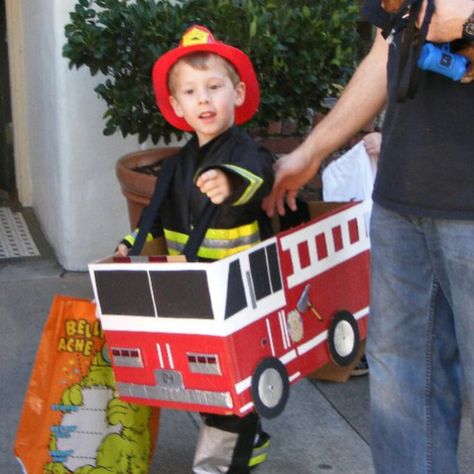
[{"x": 231, "y": 336}]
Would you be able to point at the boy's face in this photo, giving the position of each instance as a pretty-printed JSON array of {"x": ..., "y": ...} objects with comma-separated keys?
[{"x": 206, "y": 99}]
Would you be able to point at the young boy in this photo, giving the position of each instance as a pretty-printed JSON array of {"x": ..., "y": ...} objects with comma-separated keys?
[{"x": 206, "y": 87}]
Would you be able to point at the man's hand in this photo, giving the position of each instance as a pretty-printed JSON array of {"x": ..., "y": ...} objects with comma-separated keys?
[
  {"x": 292, "y": 171},
  {"x": 447, "y": 20},
  {"x": 372, "y": 143},
  {"x": 215, "y": 184}
]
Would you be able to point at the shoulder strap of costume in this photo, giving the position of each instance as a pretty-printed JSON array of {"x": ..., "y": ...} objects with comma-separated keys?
[
  {"x": 151, "y": 212},
  {"x": 197, "y": 235}
]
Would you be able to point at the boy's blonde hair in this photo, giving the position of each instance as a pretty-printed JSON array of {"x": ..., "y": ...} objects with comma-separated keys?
[{"x": 200, "y": 60}]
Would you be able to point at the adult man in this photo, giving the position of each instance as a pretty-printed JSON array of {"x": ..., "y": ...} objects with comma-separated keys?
[{"x": 422, "y": 231}]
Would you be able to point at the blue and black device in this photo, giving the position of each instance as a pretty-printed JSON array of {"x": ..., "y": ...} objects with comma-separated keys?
[{"x": 440, "y": 59}]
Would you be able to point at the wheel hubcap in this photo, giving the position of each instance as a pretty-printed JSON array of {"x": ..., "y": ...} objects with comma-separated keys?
[{"x": 270, "y": 387}]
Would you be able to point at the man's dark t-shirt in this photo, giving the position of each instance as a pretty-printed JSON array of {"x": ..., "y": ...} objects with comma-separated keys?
[{"x": 426, "y": 166}]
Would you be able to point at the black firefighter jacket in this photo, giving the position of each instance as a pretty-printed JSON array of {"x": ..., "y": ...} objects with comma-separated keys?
[{"x": 239, "y": 222}]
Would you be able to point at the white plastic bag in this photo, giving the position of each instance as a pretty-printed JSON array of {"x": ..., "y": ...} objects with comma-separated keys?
[{"x": 350, "y": 177}]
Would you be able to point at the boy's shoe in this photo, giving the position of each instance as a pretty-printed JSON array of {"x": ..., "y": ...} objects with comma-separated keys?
[
  {"x": 362, "y": 367},
  {"x": 259, "y": 453}
]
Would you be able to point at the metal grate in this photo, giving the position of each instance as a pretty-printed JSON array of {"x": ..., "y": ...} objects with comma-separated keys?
[{"x": 15, "y": 238}]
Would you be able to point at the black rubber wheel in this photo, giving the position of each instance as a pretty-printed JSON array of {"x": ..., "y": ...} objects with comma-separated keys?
[
  {"x": 270, "y": 387},
  {"x": 343, "y": 338}
]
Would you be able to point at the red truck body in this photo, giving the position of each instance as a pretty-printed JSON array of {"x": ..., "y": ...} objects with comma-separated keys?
[{"x": 231, "y": 336}]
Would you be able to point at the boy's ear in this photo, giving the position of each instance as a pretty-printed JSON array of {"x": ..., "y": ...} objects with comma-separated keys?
[
  {"x": 239, "y": 94},
  {"x": 176, "y": 107}
]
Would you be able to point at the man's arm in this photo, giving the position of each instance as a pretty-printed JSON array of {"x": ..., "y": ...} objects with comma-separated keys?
[{"x": 363, "y": 98}]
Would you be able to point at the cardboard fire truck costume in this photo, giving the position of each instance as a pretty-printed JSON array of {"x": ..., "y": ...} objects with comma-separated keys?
[{"x": 232, "y": 335}]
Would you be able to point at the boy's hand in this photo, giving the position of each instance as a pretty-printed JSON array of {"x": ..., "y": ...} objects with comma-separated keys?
[
  {"x": 122, "y": 250},
  {"x": 215, "y": 184}
]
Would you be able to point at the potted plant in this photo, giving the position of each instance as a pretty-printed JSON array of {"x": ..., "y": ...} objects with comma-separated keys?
[{"x": 300, "y": 58}]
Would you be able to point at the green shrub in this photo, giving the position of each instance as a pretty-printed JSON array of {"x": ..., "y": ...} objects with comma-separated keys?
[{"x": 302, "y": 52}]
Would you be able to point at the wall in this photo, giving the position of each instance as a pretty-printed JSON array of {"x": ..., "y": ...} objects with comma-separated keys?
[{"x": 75, "y": 194}]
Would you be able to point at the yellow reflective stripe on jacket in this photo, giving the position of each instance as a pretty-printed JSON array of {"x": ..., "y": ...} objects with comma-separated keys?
[
  {"x": 217, "y": 243},
  {"x": 130, "y": 238},
  {"x": 254, "y": 183},
  {"x": 233, "y": 233},
  {"x": 211, "y": 253}
]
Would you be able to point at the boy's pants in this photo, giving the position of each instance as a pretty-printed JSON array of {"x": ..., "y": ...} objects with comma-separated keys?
[{"x": 225, "y": 444}]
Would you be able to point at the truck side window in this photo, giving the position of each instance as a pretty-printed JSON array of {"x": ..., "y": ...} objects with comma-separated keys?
[
  {"x": 236, "y": 299},
  {"x": 265, "y": 271},
  {"x": 259, "y": 270},
  {"x": 275, "y": 277}
]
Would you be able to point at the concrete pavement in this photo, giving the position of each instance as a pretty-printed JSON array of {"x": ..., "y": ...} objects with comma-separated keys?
[{"x": 324, "y": 428}]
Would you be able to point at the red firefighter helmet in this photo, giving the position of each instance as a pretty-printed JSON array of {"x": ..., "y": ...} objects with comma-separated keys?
[{"x": 199, "y": 39}]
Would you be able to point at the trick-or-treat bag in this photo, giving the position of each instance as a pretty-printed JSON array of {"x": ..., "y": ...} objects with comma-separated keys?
[{"x": 72, "y": 420}]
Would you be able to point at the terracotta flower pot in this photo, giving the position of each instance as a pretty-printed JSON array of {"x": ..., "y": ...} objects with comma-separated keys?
[{"x": 136, "y": 183}]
